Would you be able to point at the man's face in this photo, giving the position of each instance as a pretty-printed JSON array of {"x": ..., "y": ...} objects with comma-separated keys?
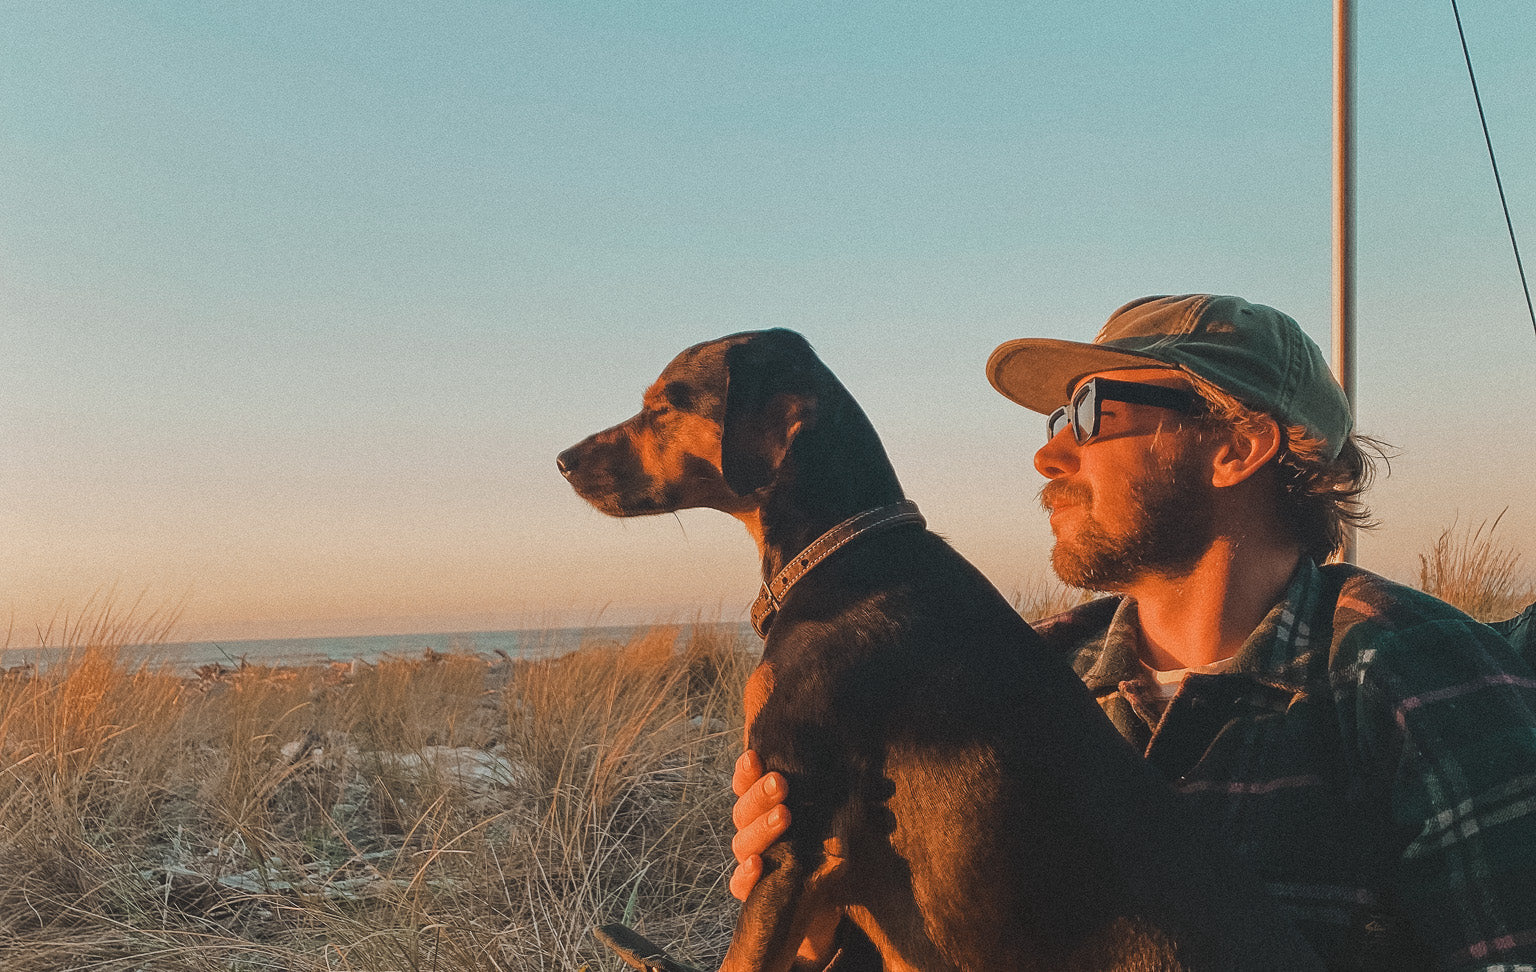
[{"x": 1133, "y": 501}]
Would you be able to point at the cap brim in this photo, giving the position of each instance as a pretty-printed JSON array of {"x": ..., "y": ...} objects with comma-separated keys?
[{"x": 1039, "y": 373}]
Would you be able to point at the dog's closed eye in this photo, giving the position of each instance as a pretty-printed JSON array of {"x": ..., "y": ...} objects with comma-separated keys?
[{"x": 678, "y": 395}]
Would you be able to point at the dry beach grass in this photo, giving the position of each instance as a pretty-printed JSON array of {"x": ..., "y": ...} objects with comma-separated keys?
[
  {"x": 450, "y": 812},
  {"x": 442, "y": 813},
  {"x": 1472, "y": 569}
]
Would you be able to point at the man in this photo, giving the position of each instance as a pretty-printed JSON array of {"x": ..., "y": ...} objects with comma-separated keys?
[{"x": 1368, "y": 751}]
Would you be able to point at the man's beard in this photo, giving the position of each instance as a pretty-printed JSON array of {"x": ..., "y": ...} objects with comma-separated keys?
[{"x": 1170, "y": 528}]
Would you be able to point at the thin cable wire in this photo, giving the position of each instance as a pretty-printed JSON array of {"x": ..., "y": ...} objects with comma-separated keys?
[{"x": 1495, "y": 163}]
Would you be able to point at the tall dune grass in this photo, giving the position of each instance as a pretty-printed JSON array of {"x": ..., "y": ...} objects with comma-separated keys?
[
  {"x": 440, "y": 813},
  {"x": 1472, "y": 569},
  {"x": 1045, "y": 596}
]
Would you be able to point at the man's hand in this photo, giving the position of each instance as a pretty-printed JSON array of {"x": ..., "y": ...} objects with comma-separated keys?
[{"x": 760, "y": 817}]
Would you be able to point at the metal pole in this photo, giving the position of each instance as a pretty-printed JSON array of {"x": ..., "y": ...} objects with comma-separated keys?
[{"x": 1344, "y": 213}]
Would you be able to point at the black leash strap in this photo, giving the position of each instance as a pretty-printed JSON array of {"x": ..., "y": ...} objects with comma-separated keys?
[{"x": 637, "y": 951}]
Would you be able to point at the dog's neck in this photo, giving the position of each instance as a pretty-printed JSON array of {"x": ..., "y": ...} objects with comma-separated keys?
[
  {"x": 833, "y": 470},
  {"x": 774, "y": 590}
]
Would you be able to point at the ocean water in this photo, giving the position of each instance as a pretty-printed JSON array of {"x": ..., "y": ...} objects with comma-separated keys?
[{"x": 187, "y": 656}]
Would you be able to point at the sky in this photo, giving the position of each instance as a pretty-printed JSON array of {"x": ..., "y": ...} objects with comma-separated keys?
[{"x": 299, "y": 300}]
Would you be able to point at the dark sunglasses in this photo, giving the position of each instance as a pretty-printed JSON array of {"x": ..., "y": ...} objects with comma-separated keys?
[{"x": 1083, "y": 411}]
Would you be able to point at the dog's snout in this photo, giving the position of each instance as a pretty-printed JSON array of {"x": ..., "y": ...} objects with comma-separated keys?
[{"x": 567, "y": 462}]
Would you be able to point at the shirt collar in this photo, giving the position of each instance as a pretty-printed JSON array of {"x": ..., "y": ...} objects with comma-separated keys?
[{"x": 1279, "y": 652}]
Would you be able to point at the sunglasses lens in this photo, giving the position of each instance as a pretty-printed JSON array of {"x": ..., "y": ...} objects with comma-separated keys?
[
  {"x": 1082, "y": 413},
  {"x": 1085, "y": 412},
  {"x": 1058, "y": 421}
]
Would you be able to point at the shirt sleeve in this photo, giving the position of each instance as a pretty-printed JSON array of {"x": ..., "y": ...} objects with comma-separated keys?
[{"x": 1448, "y": 715}]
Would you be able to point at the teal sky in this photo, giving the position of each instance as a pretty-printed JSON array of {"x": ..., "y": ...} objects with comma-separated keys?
[{"x": 298, "y": 301}]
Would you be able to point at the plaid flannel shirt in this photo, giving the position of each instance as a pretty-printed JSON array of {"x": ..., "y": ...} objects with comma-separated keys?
[{"x": 1371, "y": 755}]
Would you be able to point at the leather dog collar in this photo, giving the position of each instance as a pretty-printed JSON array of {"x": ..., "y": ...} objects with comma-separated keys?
[{"x": 870, "y": 521}]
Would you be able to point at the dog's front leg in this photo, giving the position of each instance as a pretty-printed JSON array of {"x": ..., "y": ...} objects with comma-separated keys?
[{"x": 784, "y": 906}]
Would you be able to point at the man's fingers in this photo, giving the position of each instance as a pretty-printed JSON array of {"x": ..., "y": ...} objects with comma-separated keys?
[
  {"x": 759, "y": 798},
  {"x": 759, "y": 833},
  {"x": 748, "y": 770},
  {"x": 760, "y": 817},
  {"x": 744, "y": 878}
]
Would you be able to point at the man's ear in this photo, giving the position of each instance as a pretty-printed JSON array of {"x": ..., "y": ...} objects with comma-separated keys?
[
  {"x": 1244, "y": 451},
  {"x": 762, "y": 418}
]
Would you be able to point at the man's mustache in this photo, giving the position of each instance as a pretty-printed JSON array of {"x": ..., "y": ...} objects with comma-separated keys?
[{"x": 1059, "y": 492}]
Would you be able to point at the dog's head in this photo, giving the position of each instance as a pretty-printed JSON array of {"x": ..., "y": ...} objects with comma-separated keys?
[{"x": 713, "y": 430}]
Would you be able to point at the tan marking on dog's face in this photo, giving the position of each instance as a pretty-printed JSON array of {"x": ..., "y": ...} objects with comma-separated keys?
[
  {"x": 667, "y": 457},
  {"x": 669, "y": 436},
  {"x": 679, "y": 445}
]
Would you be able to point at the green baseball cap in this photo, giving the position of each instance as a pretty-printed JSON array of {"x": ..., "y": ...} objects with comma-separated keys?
[{"x": 1254, "y": 353}]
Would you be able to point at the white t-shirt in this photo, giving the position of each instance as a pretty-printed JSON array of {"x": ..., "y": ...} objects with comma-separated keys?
[{"x": 1168, "y": 682}]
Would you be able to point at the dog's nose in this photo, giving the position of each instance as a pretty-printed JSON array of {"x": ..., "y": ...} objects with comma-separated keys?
[{"x": 566, "y": 462}]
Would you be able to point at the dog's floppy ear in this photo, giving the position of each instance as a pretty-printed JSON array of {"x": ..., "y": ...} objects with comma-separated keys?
[{"x": 767, "y": 403}]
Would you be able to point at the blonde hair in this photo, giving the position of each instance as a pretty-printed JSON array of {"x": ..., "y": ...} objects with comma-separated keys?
[{"x": 1318, "y": 496}]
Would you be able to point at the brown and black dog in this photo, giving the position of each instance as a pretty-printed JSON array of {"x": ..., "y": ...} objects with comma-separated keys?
[{"x": 954, "y": 789}]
